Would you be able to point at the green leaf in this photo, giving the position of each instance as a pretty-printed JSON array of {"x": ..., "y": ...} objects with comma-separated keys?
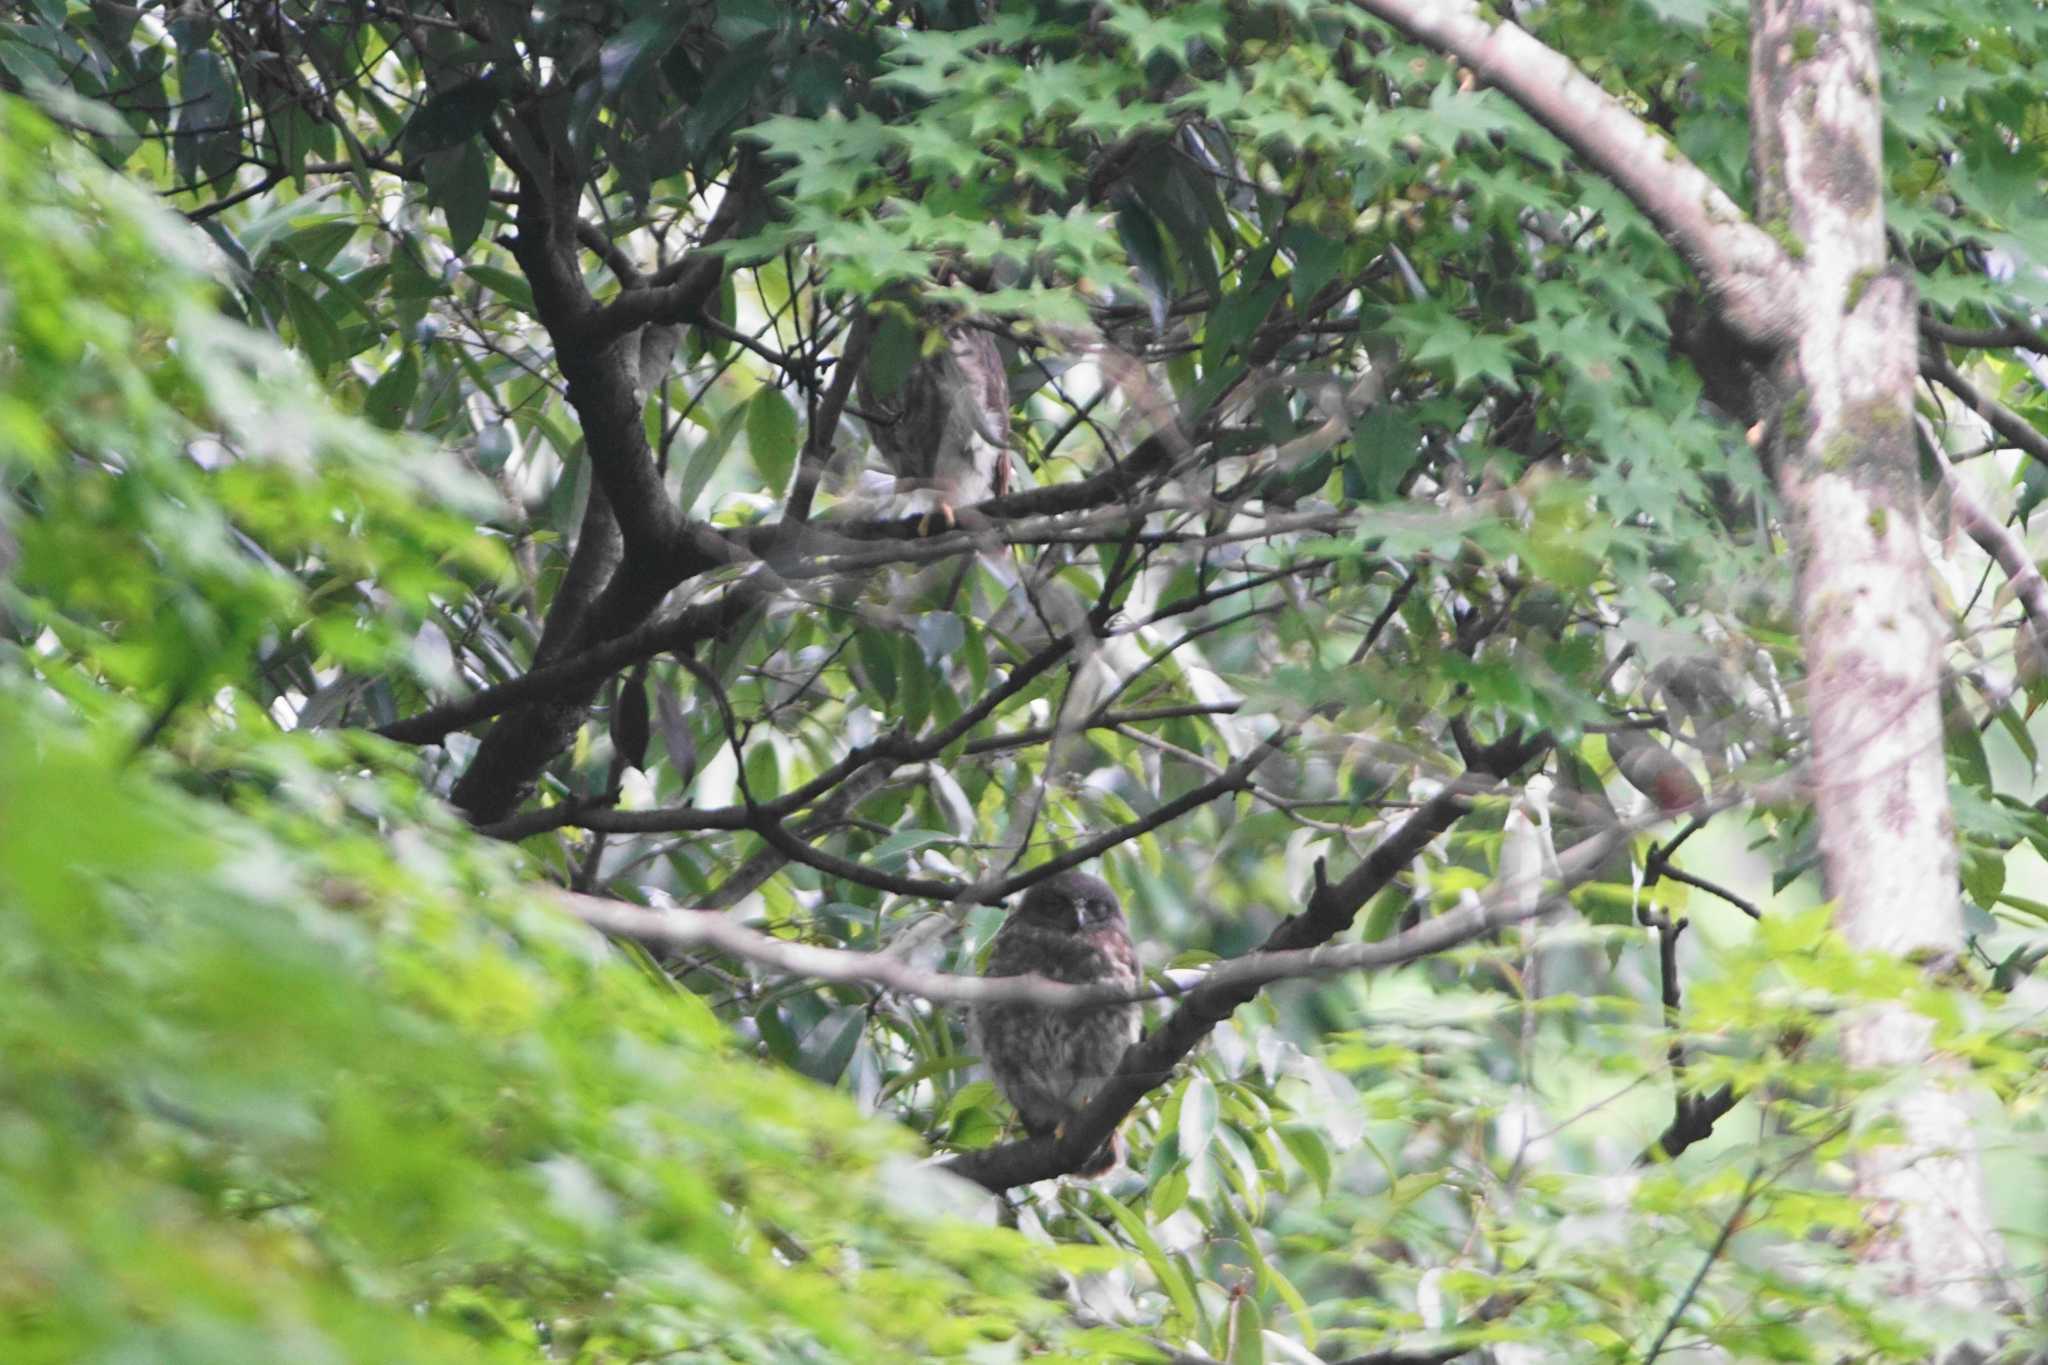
[
  {"x": 1247, "y": 1325},
  {"x": 705, "y": 460},
  {"x": 1172, "y": 189},
  {"x": 208, "y": 136},
  {"x": 506, "y": 285},
  {"x": 893, "y": 852},
  {"x": 636, "y": 49},
  {"x": 452, "y": 117},
  {"x": 877, "y": 656},
  {"x": 1172, "y": 1279},
  {"x": 390, "y": 398},
  {"x": 1146, "y": 250},
  {"x": 830, "y": 1045},
  {"x": 1983, "y": 873},
  {"x": 1307, "y": 1147},
  {"x": 2026, "y": 905},
  {"x": 317, "y": 334},
  {"x": 459, "y": 184},
  {"x": 771, "y": 437},
  {"x": 1316, "y": 259},
  {"x": 1197, "y": 1126},
  {"x": 894, "y": 348},
  {"x": 317, "y": 245},
  {"x": 1385, "y": 444}
]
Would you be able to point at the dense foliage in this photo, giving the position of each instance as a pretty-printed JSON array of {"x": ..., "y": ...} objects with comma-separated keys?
[
  {"x": 1382, "y": 483},
  {"x": 296, "y": 1069}
]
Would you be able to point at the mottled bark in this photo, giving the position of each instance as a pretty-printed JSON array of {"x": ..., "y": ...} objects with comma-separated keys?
[
  {"x": 1842, "y": 440},
  {"x": 1814, "y": 331}
]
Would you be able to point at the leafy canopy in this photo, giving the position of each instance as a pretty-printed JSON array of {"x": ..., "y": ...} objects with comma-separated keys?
[{"x": 1345, "y": 401}]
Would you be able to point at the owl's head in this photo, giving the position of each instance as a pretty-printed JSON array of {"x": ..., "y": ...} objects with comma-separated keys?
[{"x": 1071, "y": 903}]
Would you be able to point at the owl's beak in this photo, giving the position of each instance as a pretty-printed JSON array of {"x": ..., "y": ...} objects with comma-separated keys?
[{"x": 1080, "y": 918}]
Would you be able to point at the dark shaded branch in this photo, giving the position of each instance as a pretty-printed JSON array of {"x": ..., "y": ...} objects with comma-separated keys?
[
  {"x": 1742, "y": 903},
  {"x": 2011, "y": 428},
  {"x": 595, "y": 558},
  {"x": 1986, "y": 339},
  {"x": 1235, "y": 778},
  {"x": 1658, "y": 866},
  {"x": 601, "y": 374},
  {"x": 1693, "y": 1116},
  {"x": 599, "y": 816},
  {"x": 1103, "y": 720},
  {"x": 857, "y": 787},
  {"x": 590, "y": 666},
  {"x": 1694, "y": 1122}
]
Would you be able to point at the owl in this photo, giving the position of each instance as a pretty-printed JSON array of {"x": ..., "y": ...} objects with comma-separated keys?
[
  {"x": 1049, "y": 1063},
  {"x": 946, "y": 426}
]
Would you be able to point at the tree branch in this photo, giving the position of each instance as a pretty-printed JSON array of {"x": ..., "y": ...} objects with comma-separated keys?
[
  {"x": 1986, "y": 339},
  {"x": 586, "y": 668},
  {"x": 1992, "y": 537},
  {"x": 1246, "y": 975},
  {"x": 2012, "y": 428},
  {"x": 1330, "y": 910},
  {"x": 1741, "y": 266}
]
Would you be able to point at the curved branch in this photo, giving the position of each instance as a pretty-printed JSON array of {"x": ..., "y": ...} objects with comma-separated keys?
[
  {"x": 677, "y": 293},
  {"x": 1235, "y": 778},
  {"x": 602, "y": 373},
  {"x": 1739, "y": 263}
]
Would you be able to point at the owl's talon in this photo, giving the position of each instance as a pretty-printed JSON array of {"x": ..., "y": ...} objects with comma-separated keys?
[{"x": 943, "y": 512}]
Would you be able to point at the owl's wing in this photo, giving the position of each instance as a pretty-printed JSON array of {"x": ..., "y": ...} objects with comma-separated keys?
[
  {"x": 987, "y": 383},
  {"x": 976, "y": 454}
]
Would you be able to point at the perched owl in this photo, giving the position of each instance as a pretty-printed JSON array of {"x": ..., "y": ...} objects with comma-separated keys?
[
  {"x": 1049, "y": 1063},
  {"x": 946, "y": 426}
]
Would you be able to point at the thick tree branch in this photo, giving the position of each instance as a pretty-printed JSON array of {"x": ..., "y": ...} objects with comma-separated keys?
[
  {"x": 1330, "y": 910},
  {"x": 601, "y": 373},
  {"x": 677, "y": 293},
  {"x": 1742, "y": 267},
  {"x": 601, "y": 817}
]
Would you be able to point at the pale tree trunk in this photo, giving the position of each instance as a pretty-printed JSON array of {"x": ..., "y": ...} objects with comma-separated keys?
[
  {"x": 1842, "y": 437},
  {"x": 1805, "y": 294}
]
